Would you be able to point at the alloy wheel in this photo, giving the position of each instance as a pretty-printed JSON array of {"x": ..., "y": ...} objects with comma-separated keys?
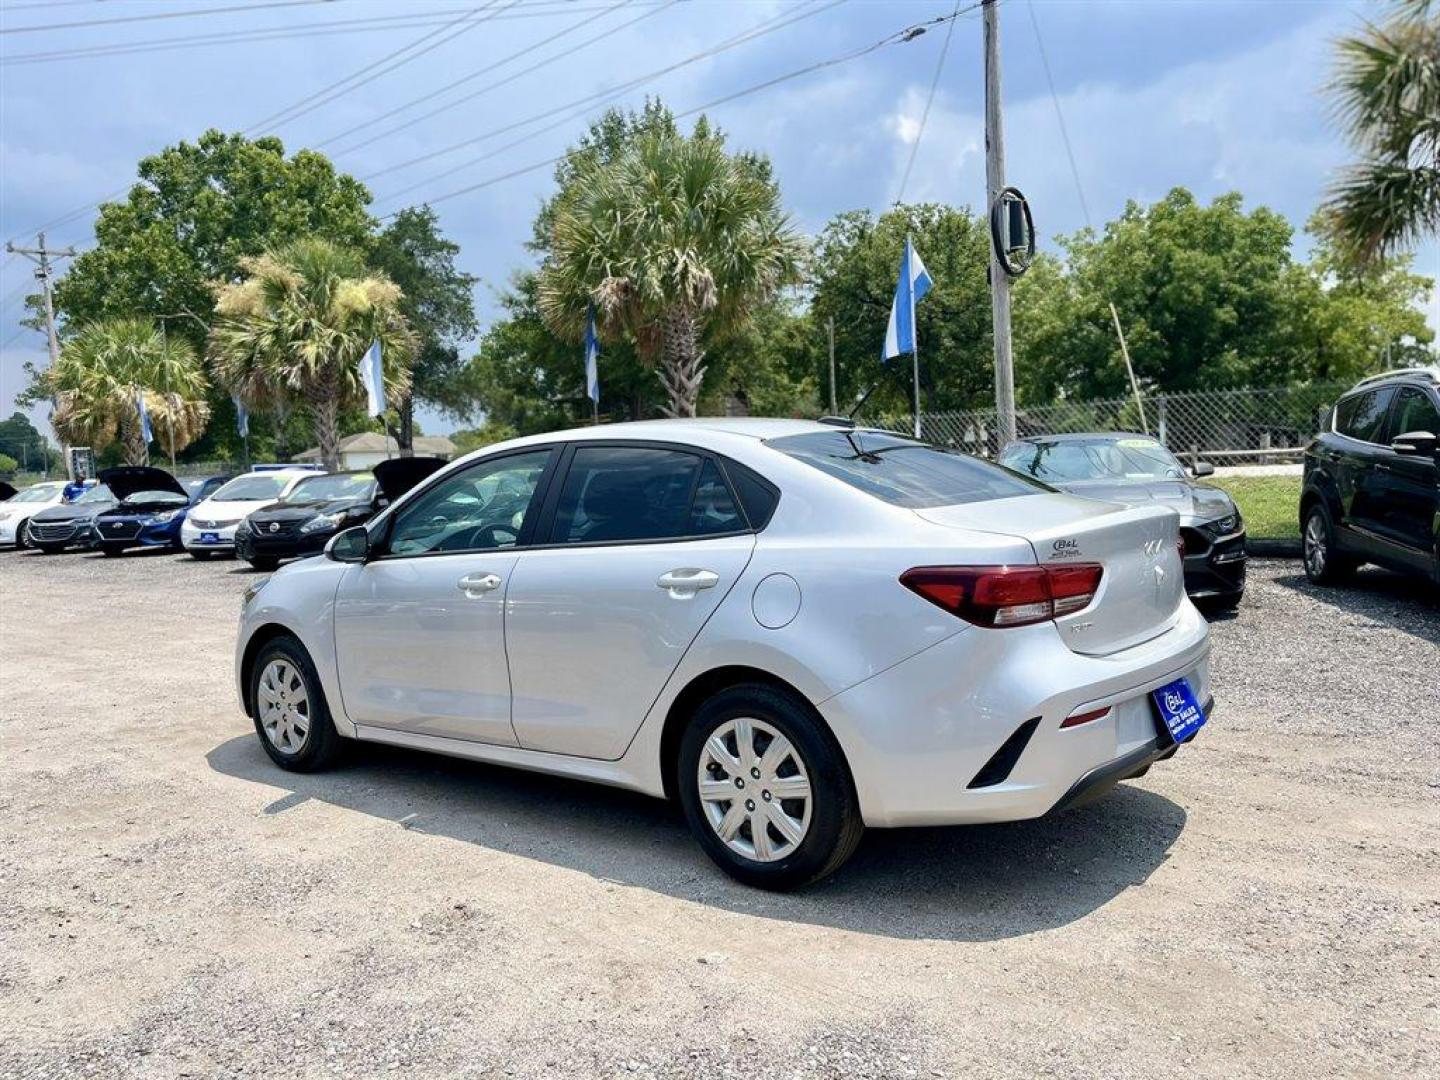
[
  {"x": 1315, "y": 545},
  {"x": 754, "y": 789},
  {"x": 284, "y": 706}
]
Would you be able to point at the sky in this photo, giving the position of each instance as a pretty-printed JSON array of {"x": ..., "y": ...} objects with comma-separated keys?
[{"x": 1215, "y": 95}]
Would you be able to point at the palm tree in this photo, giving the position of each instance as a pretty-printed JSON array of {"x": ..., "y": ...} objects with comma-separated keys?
[
  {"x": 675, "y": 243},
  {"x": 296, "y": 327},
  {"x": 1386, "y": 92},
  {"x": 103, "y": 370}
]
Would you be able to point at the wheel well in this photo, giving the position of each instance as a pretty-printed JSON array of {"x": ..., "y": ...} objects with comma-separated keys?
[
  {"x": 258, "y": 640},
  {"x": 698, "y": 690}
]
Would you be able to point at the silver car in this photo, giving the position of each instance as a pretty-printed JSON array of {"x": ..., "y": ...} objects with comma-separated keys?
[{"x": 796, "y": 629}]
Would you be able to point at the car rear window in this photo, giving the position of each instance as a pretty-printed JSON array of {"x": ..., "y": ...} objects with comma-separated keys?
[{"x": 903, "y": 472}]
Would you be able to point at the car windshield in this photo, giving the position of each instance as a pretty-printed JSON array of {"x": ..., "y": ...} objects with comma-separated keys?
[
  {"x": 334, "y": 486},
  {"x": 903, "y": 472},
  {"x": 1103, "y": 459},
  {"x": 169, "y": 498},
  {"x": 252, "y": 488},
  {"x": 98, "y": 493},
  {"x": 38, "y": 493}
]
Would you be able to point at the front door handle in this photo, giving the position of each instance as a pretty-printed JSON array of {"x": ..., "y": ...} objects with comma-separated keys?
[
  {"x": 477, "y": 585},
  {"x": 684, "y": 583}
]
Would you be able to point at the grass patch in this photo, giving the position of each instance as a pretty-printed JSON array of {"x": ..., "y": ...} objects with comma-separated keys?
[{"x": 1270, "y": 504}]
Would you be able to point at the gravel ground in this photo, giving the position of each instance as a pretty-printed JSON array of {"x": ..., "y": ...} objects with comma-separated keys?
[{"x": 1265, "y": 904}]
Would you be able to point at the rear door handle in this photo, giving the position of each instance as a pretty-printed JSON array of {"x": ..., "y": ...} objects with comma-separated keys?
[
  {"x": 477, "y": 585},
  {"x": 684, "y": 583}
]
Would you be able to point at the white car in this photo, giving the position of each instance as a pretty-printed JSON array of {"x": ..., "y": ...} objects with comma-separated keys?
[
  {"x": 796, "y": 629},
  {"x": 16, "y": 511},
  {"x": 209, "y": 528}
]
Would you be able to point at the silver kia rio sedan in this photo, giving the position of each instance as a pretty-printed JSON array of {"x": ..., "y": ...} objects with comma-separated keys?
[{"x": 796, "y": 629}]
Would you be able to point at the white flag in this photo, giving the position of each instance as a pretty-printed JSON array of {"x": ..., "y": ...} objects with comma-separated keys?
[{"x": 372, "y": 374}]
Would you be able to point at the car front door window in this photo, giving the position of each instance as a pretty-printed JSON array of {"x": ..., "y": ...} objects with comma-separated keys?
[{"x": 482, "y": 508}]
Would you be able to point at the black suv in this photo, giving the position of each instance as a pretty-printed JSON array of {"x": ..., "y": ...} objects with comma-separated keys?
[{"x": 1372, "y": 480}]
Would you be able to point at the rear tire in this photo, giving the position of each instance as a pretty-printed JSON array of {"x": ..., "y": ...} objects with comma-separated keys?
[
  {"x": 1324, "y": 565},
  {"x": 791, "y": 782},
  {"x": 289, "y": 709}
]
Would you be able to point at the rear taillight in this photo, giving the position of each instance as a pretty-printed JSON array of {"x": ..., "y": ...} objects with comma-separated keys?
[{"x": 1006, "y": 595}]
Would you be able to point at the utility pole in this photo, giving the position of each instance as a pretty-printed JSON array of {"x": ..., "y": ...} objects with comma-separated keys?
[
  {"x": 830, "y": 329},
  {"x": 40, "y": 255},
  {"x": 994, "y": 184}
]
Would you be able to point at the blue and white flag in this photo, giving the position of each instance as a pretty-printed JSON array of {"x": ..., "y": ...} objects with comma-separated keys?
[
  {"x": 592, "y": 358},
  {"x": 914, "y": 283},
  {"x": 145, "y": 431},
  {"x": 242, "y": 417},
  {"x": 372, "y": 374}
]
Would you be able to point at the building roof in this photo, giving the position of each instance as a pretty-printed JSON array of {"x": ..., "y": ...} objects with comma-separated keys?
[{"x": 372, "y": 442}]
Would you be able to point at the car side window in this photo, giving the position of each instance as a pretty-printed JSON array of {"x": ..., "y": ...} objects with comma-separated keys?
[
  {"x": 1363, "y": 416},
  {"x": 1414, "y": 411},
  {"x": 633, "y": 494},
  {"x": 481, "y": 508}
]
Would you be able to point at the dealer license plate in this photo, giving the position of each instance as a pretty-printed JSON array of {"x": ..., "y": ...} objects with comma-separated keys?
[
  {"x": 1179, "y": 709},
  {"x": 209, "y": 538}
]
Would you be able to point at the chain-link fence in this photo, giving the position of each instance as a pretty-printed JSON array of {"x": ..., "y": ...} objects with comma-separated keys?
[{"x": 1229, "y": 427}]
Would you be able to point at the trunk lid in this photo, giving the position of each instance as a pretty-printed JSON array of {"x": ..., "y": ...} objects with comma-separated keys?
[{"x": 1143, "y": 585}]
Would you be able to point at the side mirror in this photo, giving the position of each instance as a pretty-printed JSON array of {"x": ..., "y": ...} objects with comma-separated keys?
[
  {"x": 350, "y": 545},
  {"x": 1203, "y": 468},
  {"x": 1415, "y": 442}
]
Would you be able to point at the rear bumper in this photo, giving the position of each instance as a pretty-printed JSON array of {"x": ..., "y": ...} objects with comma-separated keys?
[{"x": 918, "y": 735}]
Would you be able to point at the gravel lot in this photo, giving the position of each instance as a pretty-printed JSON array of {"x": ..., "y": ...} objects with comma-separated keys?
[{"x": 1265, "y": 904}]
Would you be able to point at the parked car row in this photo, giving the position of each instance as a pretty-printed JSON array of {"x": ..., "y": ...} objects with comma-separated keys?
[{"x": 295, "y": 510}]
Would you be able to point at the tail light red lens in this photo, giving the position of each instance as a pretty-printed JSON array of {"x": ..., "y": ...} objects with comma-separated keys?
[
  {"x": 1076, "y": 719},
  {"x": 1006, "y": 595}
]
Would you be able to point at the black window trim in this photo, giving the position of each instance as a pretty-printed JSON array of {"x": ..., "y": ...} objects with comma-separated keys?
[
  {"x": 545, "y": 523},
  {"x": 528, "y": 527}
]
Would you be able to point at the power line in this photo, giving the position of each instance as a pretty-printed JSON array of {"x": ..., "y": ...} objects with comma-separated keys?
[
  {"x": 184, "y": 14},
  {"x": 528, "y": 9},
  {"x": 929, "y": 100},
  {"x": 581, "y": 104},
  {"x": 369, "y": 73},
  {"x": 491, "y": 67},
  {"x": 899, "y": 37},
  {"x": 1059, "y": 113}
]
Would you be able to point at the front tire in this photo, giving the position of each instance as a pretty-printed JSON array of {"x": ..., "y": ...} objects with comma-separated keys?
[
  {"x": 201, "y": 556},
  {"x": 291, "y": 715},
  {"x": 264, "y": 562},
  {"x": 766, "y": 789},
  {"x": 1324, "y": 565},
  {"x": 22, "y": 537}
]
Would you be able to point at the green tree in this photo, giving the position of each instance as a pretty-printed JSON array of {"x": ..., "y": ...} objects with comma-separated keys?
[
  {"x": 853, "y": 273},
  {"x": 300, "y": 320},
  {"x": 1386, "y": 93},
  {"x": 438, "y": 303},
  {"x": 196, "y": 211},
  {"x": 675, "y": 243},
  {"x": 8, "y": 466},
  {"x": 487, "y": 434},
  {"x": 1210, "y": 297},
  {"x": 103, "y": 371},
  {"x": 20, "y": 439}
]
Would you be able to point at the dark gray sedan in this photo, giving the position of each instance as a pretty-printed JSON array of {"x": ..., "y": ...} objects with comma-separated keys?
[{"x": 1128, "y": 468}]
